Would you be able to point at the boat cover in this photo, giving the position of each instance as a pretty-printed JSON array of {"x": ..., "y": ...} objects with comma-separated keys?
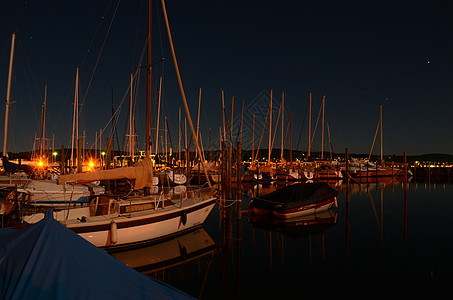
[
  {"x": 142, "y": 172},
  {"x": 49, "y": 261},
  {"x": 295, "y": 195}
]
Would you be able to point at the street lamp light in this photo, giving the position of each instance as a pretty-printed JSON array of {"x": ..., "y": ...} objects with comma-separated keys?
[{"x": 103, "y": 155}]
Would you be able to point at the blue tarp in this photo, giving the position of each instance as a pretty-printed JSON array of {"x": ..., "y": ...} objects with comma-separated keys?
[{"x": 49, "y": 261}]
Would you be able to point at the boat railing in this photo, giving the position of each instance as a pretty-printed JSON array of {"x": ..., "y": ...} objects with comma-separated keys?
[
  {"x": 199, "y": 194},
  {"x": 159, "y": 200}
]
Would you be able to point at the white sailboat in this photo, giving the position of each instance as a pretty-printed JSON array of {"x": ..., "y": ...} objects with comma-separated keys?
[
  {"x": 116, "y": 222},
  {"x": 113, "y": 222}
]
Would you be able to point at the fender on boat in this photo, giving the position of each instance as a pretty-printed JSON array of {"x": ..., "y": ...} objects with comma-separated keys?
[
  {"x": 113, "y": 233},
  {"x": 183, "y": 217}
]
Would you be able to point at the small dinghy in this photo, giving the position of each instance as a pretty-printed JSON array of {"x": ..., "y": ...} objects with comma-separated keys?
[{"x": 295, "y": 200}]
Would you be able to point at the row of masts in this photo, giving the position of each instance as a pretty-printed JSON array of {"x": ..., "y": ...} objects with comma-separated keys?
[{"x": 195, "y": 133}]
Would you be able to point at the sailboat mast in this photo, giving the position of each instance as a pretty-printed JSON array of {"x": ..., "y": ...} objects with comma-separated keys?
[
  {"x": 130, "y": 120},
  {"x": 43, "y": 122},
  {"x": 330, "y": 143},
  {"x": 322, "y": 134},
  {"x": 223, "y": 116},
  {"x": 179, "y": 139},
  {"x": 158, "y": 118},
  {"x": 166, "y": 149},
  {"x": 382, "y": 147},
  {"x": 253, "y": 139},
  {"x": 76, "y": 107},
  {"x": 270, "y": 130},
  {"x": 8, "y": 94},
  {"x": 231, "y": 120},
  {"x": 183, "y": 95},
  {"x": 198, "y": 114},
  {"x": 75, "y": 132},
  {"x": 281, "y": 151},
  {"x": 242, "y": 118},
  {"x": 309, "y": 126},
  {"x": 291, "y": 138},
  {"x": 148, "y": 83}
]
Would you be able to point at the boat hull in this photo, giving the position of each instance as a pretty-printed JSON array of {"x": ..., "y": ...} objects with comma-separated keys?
[{"x": 143, "y": 227}]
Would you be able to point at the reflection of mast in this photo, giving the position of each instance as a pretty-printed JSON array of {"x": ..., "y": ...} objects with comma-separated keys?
[
  {"x": 348, "y": 227},
  {"x": 405, "y": 195},
  {"x": 382, "y": 216},
  {"x": 8, "y": 94}
]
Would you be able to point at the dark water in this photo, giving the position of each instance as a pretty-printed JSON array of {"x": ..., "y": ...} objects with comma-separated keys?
[{"x": 379, "y": 242}]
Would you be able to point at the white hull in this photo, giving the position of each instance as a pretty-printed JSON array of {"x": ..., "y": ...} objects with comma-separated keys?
[{"x": 116, "y": 226}]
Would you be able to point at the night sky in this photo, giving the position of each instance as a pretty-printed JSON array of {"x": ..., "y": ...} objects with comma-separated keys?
[{"x": 359, "y": 54}]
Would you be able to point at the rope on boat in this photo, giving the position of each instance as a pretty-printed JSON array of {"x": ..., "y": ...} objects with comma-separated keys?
[{"x": 221, "y": 201}]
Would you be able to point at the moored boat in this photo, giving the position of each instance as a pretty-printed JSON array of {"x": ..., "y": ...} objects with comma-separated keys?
[
  {"x": 115, "y": 222},
  {"x": 109, "y": 222},
  {"x": 295, "y": 200},
  {"x": 47, "y": 193}
]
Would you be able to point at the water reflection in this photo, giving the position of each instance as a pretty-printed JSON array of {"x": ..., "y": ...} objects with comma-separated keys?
[
  {"x": 384, "y": 233},
  {"x": 178, "y": 259},
  {"x": 314, "y": 224}
]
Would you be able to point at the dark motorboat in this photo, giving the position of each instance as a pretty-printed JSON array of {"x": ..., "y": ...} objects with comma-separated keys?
[{"x": 295, "y": 200}]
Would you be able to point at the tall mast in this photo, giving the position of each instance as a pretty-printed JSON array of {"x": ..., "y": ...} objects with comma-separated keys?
[
  {"x": 270, "y": 131},
  {"x": 8, "y": 94},
  {"x": 290, "y": 138},
  {"x": 242, "y": 118},
  {"x": 131, "y": 133},
  {"x": 166, "y": 150},
  {"x": 231, "y": 120},
  {"x": 158, "y": 118},
  {"x": 322, "y": 134},
  {"x": 148, "y": 81},
  {"x": 281, "y": 152},
  {"x": 183, "y": 95},
  {"x": 223, "y": 117},
  {"x": 43, "y": 123},
  {"x": 382, "y": 147},
  {"x": 179, "y": 140},
  {"x": 309, "y": 126},
  {"x": 198, "y": 114},
  {"x": 75, "y": 118},
  {"x": 253, "y": 140},
  {"x": 330, "y": 143},
  {"x": 77, "y": 115}
]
